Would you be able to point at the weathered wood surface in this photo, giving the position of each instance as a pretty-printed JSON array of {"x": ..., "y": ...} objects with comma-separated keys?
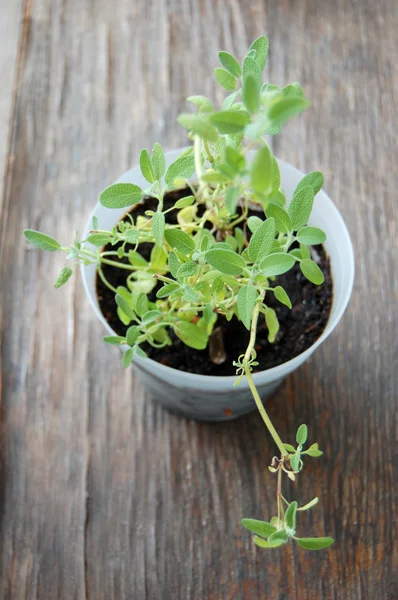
[{"x": 104, "y": 495}]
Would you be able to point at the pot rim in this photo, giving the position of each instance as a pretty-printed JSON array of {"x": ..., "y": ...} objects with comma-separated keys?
[{"x": 273, "y": 373}]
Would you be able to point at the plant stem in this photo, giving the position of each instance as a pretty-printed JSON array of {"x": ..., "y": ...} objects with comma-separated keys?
[
  {"x": 264, "y": 414},
  {"x": 104, "y": 279}
]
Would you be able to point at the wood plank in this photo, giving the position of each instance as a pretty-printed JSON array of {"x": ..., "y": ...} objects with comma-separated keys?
[
  {"x": 10, "y": 22},
  {"x": 104, "y": 495}
]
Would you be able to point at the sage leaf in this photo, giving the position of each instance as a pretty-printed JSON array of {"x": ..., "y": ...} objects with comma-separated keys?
[
  {"x": 261, "y": 241},
  {"x": 167, "y": 289},
  {"x": 251, "y": 69},
  {"x": 261, "y": 528},
  {"x": 150, "y": 316},
  {"x": 225, "y": 261},
  {"x": 315, "y": 543},
  {"x": 146, "y": 166},
  {"x": 229, "y": 121},
  {"x": 115, "y": 340},
  {"x": 192, "y": 335},
  {"x": 230, "y": 63},
  {"x": 302, "y": 434},
  {"x": 225, "y": 79},
  {"x": 290, "y": 515},
  {"x": 128, "y": 357},
  {"x": 295, "y": 461},
  {"x": 276, "y": 264},
  {"x": 311, "y": 235},
  {"x": 184, "y": 202},
  {"x": 272, "y": 323},
  {"x": 282, "y": 296},
  {"x": 202, "y": 103},
  {"x": 139, "y": 352},
  {"x": 125, "y": 307},
  {"x": 314, "y": 179},
  {"x": 183, "y": 167},
  {"x": 260, "y": 45},
  {"x": 285, "y": 108},
  {"x": 187, "y": 269},
  {"x": 231, "y": 199},
  {"x": 254, "y": 223},
  {"x": 262, "y": 170},
  {"x": 266, "y": 544},
  {"x": 247, "y": 297},
  {"x": 158, "y": 162},
  {"x": 180, "y": 240},
  {"x": 300, "y": 207},
  {"x": 311, "y": 271},
  {"x": 121, "y": 195},
  {"x": 63, "y": 278},
  {"x": 132, "y": 335},
  {"x": 158, "y": 225},
  {"x": 99, "y": 239},
  {"x": 199, "y": 125},
  {"x": 280, "y": 535},
  {"x": 41, "y": 240},
  {"x": 251, "y": 93},
  {"x": 309, "y": 504}
]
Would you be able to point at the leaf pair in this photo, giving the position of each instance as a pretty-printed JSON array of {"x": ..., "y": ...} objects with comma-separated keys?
[{"x": 153, "y": 167}]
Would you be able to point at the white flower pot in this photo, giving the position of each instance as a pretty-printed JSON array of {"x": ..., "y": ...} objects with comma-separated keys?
[{"x": 211, "y": 398}]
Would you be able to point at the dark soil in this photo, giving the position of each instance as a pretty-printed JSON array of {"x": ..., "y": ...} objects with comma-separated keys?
[{"x": 300, "y": 326}]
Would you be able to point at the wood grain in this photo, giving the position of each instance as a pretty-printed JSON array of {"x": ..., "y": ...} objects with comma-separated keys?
[{"x": 104, "y": 495}]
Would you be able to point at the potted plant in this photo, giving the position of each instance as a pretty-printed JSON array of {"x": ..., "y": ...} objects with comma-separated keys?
[{"x": 219, "y": 250}]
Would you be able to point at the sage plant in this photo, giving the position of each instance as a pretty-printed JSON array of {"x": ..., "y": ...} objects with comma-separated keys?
[{"x": 216, "y": 260}]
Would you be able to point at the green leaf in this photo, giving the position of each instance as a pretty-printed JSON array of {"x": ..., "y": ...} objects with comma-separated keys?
[
  {"x": 174, "y": 264},
  {"x": 261, "y": 240},
  {"x": 294, "y": 89},
  {"x": 302, "y": 434},
  {"x": 309, "y": 504},
  {"x": 289, "y": 448},
  {"x": 208, "y": 313},
  {"x": 282, "y": 296},
  {"x": 229, "y": 100},
  {"x": 128, "y": 357},
  {"x": 225, "y": 261},
  {"x": 254, "y": 223},
  {"x": 290, "y": 515},
  {"x": 199, "y": 125},
  {"x": 202, "y": 103},
  {"x": 229, "y": 121},
  {"x": 285, "y": 108},
  {"x": 262, "y": 170},
  {"x": 230, "y": 63},
  {"x": 295, "y": 461},
  {"x": 261, "y": 528},
  {"x": 192, "y": 335},
  {"x": 187, "y": 269},
  {"x": 311, "y": 271},
  {"x": 314, "y": 453},
  {"x": 180, "y": 240},
  {"x": 132, "y": 235},
  {"x": 114, "y": 340},
  {"x": 184, "y": 202},
  {"x": 251, "y": 69},
  {"x": 251, "y": 93},
  {"x": 99, "y": 239},
  {"x": 272, "y": 323},
  {"x": 311, "y": 235},
  {"x": 41, "y": 240},
  {"x": 141, "y": 304},
  {"x": 150, "y": 316},
  {"x": 225, "y": 79},
  {"x": 132, "y": 335},
  {"x": 63, "y": 278},
  {"x": 277, "y": 264},
  {"x": 315, "y": 543},
  {"x": 158, "y": 161},
  {"x": 231, "y": 199},
  {"x": 264, "y": 544},
  {"x": 139, "y": 352},
  {"x": 167, "y": 289},
  {"x": 146, "y": 166},
  {"x": 158, "y": 224},
  {"x": 260, "y": 45},
  {"x": 125, "y": 307},
  {"x": 136, "y": 259},
  {"x": 300, "y": 207},
  {"x": 314, "y": 179},
  {"x": 280, "y": 535},
  {"x": 183, "y": 167},
  {"x": 247, "y": 297},
  {"x": 121, "y": 195}
]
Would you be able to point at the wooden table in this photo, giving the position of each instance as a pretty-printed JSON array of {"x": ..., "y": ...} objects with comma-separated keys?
[{"x": 103, "y": 494}]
